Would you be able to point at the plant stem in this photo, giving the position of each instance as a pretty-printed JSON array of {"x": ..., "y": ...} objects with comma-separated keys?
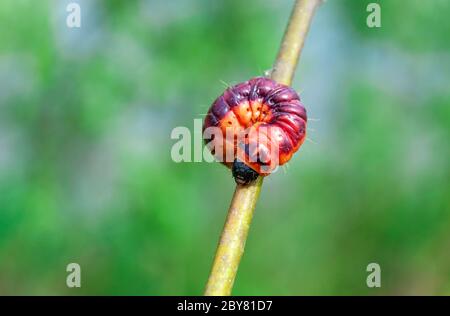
[
  {"x": 235, "y": 231},
  {"x": 293, "y": 40}
]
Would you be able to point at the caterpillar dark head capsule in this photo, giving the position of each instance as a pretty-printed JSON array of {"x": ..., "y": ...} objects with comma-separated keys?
[
  {"x": 254, "y": 127},
  {"x": 242, "y": 173}
]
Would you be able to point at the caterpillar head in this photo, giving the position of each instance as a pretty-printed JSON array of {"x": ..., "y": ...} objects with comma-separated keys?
[{"x": 242, "y": 173}]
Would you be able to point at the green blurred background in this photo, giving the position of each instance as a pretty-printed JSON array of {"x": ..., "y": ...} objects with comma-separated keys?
[{"x": 86, "y": 174}]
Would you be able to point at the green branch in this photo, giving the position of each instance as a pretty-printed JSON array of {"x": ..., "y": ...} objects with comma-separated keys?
[{"x": 235, "y": 231}]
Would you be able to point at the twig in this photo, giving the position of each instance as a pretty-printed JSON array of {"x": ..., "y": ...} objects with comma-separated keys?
[{"x": 234, "y": 234}]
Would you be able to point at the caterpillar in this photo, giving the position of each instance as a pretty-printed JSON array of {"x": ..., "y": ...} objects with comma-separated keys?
[{"x": 260, "y": 123}]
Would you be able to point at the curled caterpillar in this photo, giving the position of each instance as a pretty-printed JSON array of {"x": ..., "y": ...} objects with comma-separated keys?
[{"x": 259, "y": 124}]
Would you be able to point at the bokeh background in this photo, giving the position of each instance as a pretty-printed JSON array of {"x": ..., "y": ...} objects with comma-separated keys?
[{"x": 86, "y": 174}]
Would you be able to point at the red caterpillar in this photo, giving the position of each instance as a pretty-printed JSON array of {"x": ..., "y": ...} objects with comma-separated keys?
[{"x": 269, "y": 115}]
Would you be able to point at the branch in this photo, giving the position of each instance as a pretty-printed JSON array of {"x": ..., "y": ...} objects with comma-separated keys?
[{"x": 235, "y": 231}]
